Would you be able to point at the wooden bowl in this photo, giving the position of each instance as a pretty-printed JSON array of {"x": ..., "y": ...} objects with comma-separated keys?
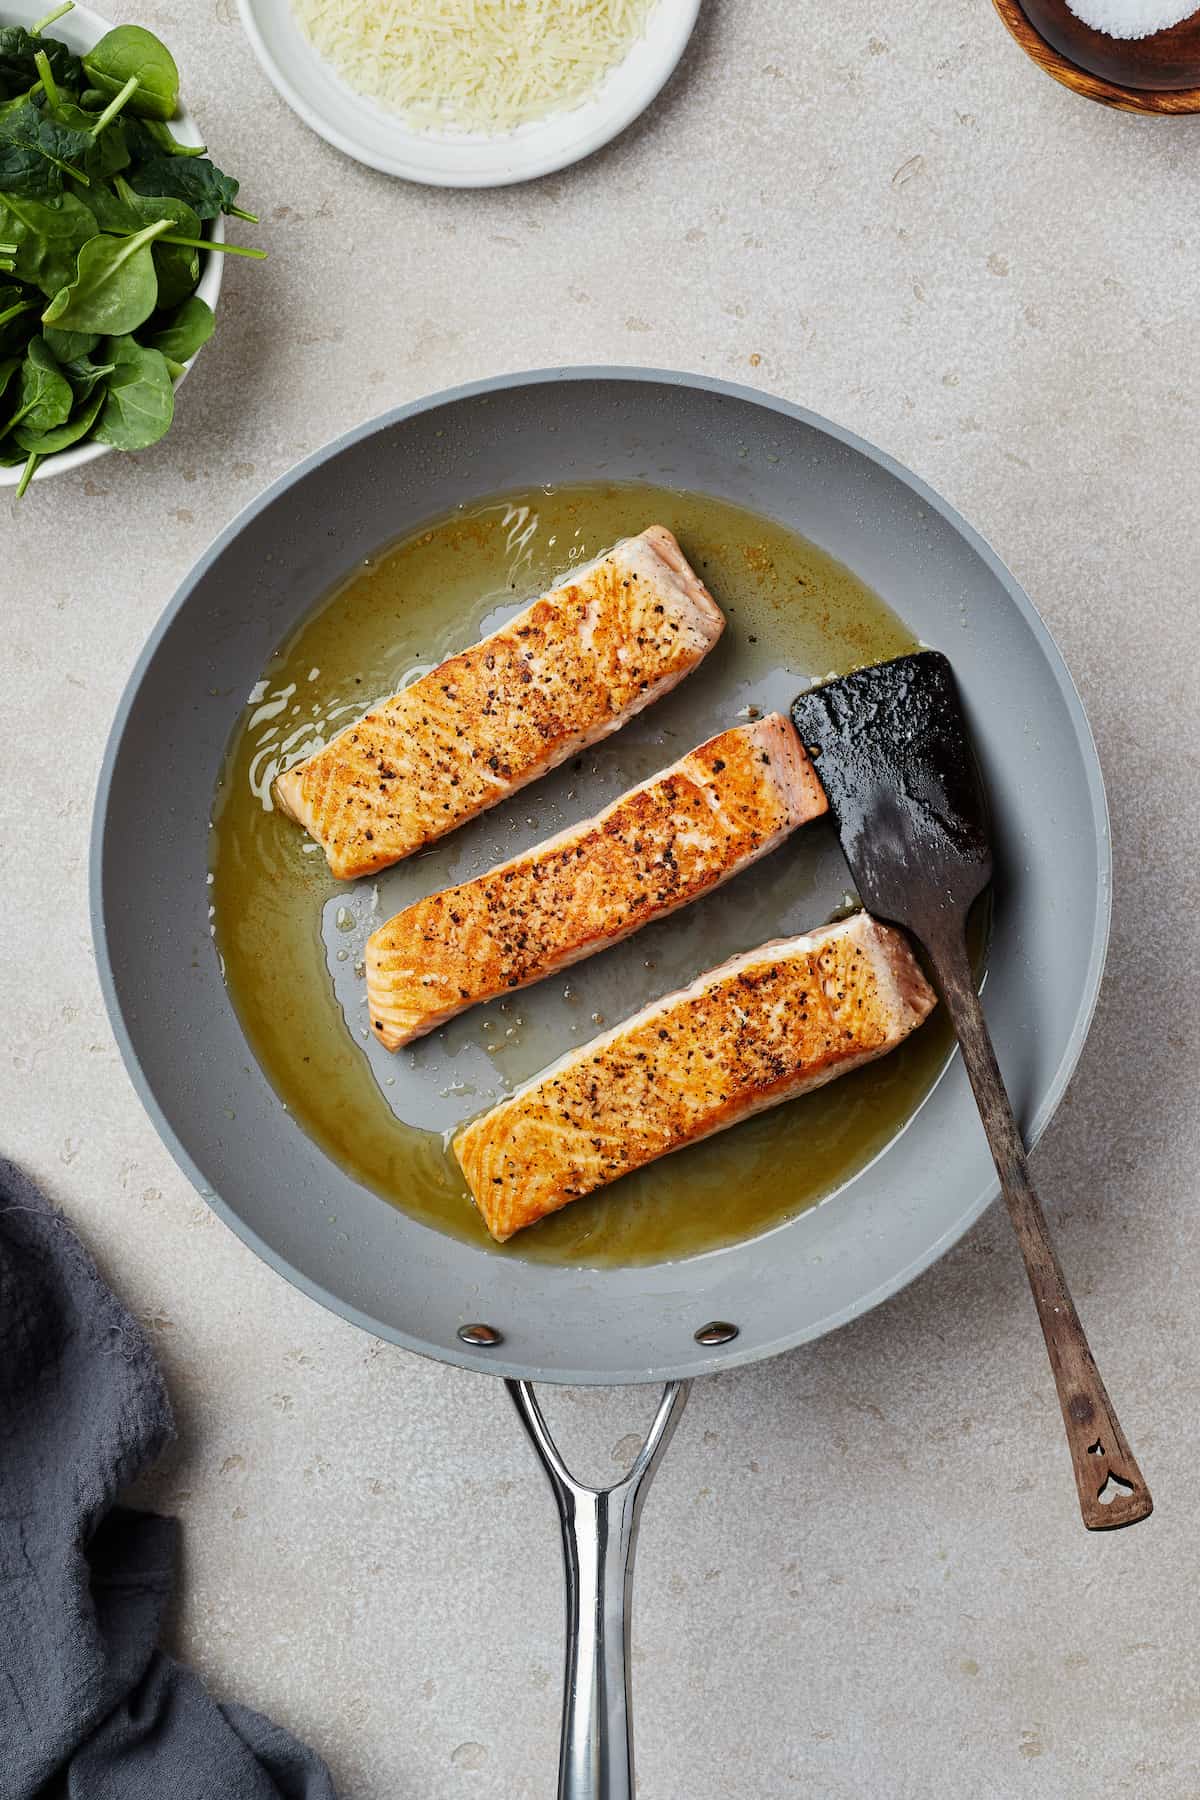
[{"x": 1159, "y": 74}]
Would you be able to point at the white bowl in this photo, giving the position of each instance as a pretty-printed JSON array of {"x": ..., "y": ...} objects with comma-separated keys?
[
  {"x": 383, "y": 140},
  {"x": 81, "y": 29}
]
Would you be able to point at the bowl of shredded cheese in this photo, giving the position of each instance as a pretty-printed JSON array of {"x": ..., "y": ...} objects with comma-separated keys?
[{"x": 468, "y": 93}]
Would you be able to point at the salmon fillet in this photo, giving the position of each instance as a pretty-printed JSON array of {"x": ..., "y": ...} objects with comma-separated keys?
[
  {"x": 765, "y": 1026},
  {"x": 664, "y": 843},
  {"x": 574, "y": 666}
]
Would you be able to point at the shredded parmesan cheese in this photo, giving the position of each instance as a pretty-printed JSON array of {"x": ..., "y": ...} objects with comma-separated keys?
[{"x": 477, "y": 65}]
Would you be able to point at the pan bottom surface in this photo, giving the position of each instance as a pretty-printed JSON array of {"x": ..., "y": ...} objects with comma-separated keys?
[{"x": 291, "y": 938}]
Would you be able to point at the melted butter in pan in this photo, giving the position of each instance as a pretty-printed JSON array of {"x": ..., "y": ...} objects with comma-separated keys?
[{"x": 291, "y": 938}]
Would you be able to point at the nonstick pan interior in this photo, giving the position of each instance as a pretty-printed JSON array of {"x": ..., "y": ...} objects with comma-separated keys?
[{"x": 181, "y": 1038}]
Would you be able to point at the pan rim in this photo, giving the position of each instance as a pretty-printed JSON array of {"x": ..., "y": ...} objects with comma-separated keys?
[{"x": 736, "y": 1354}]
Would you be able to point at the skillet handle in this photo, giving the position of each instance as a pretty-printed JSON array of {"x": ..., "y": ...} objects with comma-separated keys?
[{"x": 599, "y": 1531}]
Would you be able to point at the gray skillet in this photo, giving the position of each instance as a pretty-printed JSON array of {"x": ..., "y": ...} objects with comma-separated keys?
[{"x": 509, "y": 1316}]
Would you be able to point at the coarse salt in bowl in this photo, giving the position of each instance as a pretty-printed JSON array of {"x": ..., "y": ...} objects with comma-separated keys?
[
  {"x": 81, "y": 28},
  {"x": 1131, "y": 18}
]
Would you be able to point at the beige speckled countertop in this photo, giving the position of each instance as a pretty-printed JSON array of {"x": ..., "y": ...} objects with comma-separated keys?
[{"x": 861, "y": 1572}]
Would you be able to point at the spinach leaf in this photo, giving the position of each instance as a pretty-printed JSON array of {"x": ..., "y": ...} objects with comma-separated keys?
[
  {"x": 16, "y": 304},
  {"x": 130, "y": 50},
  {"x": 64, "y": 109},
  {"x": 66, "y": 346},
  {"x": 106, "y": 154},
  {"x": 24, "y": 171},
  {"x": 191, "y": 178},
  {"x": 36, "y": 149},
  {"x": 110, "y": 211},
  {"x": 8, "y": 368},
  {"x": 46, "y": 398},
  {"x": 18, "y": 71},
  {"x": 106, "y": 149},
  {"x": 174, "y": 369},
  {"x": 178, "y": 265},
  {"x": 139, "y": 400},
  {"x": 9, "y": 107},
  {"x": 49, "y": 236},
  {"x": 115, "y": 288},
  {"x": 61, "y": 437},
  {"x": 178, "y": 269},
  {"x": 150, "y": 138},
  {"x": 83, "y": 374},
  {"x": 184, "y": 333}
]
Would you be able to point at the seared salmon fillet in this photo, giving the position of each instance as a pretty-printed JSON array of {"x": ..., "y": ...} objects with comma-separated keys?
[
  {"x": 574, "y": 666},
  {"x": 765, "y": 1026},
  {"x": 667, "y": 841}
]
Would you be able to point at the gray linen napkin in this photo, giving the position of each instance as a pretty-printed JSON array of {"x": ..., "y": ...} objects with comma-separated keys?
[{"x": 90, "y": 1709}]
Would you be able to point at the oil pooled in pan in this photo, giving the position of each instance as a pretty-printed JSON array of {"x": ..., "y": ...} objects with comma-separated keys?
[{"x": 291, "y": 938}]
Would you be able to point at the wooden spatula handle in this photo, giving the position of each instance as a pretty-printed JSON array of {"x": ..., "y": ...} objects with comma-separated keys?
[{"x": 1104, "y": 1463}]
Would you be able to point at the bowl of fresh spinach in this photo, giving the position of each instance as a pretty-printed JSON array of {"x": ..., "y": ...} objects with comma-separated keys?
[{"x": 112, "y": 234}]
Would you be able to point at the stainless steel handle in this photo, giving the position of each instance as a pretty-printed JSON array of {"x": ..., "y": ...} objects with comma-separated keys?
[{"x": 599, "y": 1531}]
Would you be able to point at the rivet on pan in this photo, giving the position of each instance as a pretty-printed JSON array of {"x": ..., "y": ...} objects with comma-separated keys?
[
  {"x": 718, "y": 1332},
  {"x": 485, "y": 1337}
]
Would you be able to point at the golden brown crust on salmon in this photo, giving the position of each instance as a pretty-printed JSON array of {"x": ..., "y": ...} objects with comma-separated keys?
[
  {"x": 662, "y": 844},
  {"x": 564, "y": 673},
  {"x": 764, "y": 1027}
]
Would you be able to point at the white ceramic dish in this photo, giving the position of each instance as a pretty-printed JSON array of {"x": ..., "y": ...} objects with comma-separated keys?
[
  {"x": 81, "y": 29},
  {"x": 381, "y": 139}
]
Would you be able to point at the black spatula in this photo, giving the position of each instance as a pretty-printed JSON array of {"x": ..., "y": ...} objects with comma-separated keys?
[{"x": 896, "y": 761}]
